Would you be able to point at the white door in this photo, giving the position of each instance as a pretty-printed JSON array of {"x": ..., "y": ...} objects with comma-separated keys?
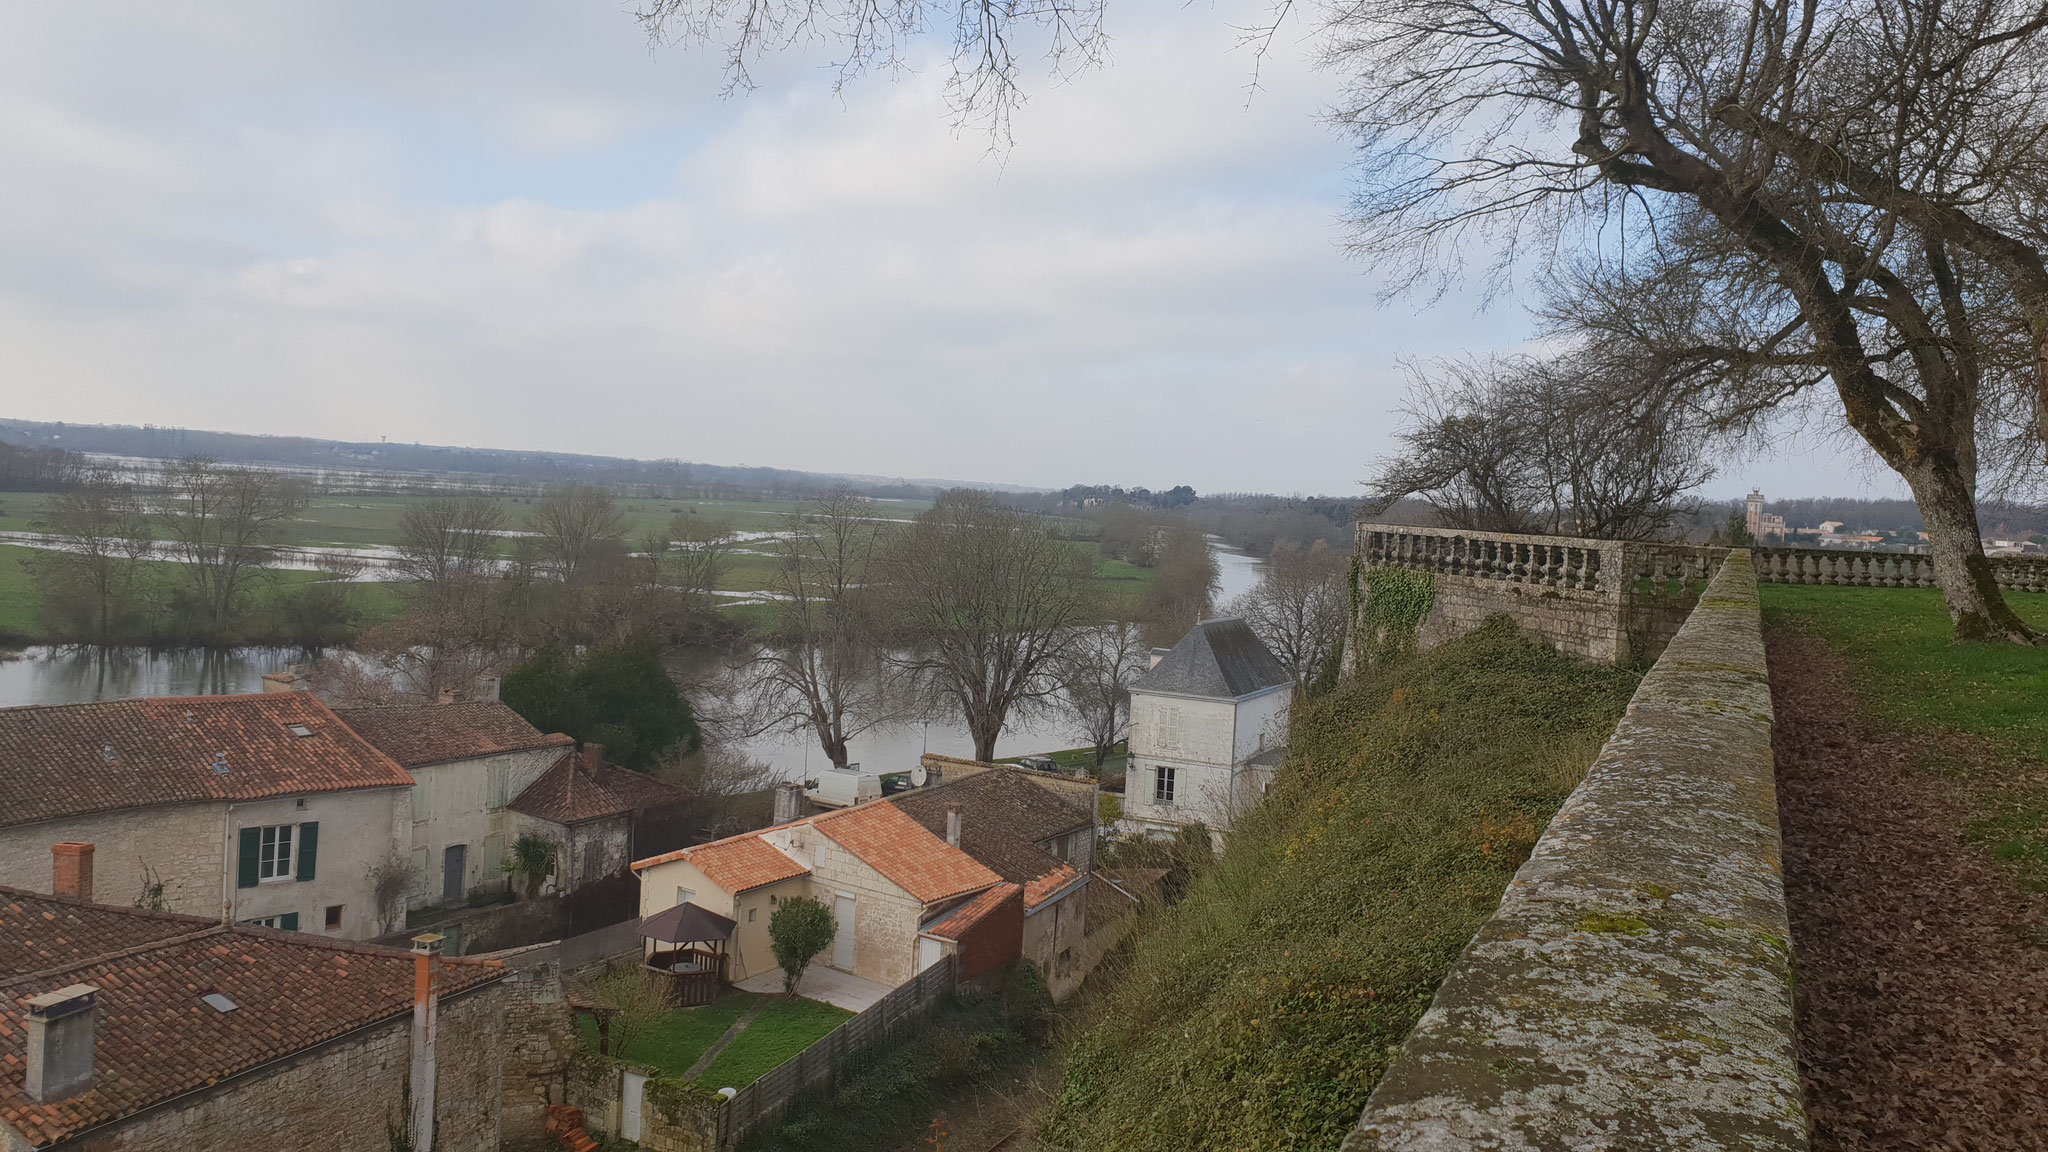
[
  {"x": 629, "y": 1107},
  {"x": 929, "y": 952},
  {"x": 842, "y": 943}
]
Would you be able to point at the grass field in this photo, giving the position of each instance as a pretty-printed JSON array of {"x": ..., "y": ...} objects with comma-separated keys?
[
  {"x": 673, "y": 1042},
  {"x": 1910, "y": 674},
  {"x": 784, "y": 1028}
]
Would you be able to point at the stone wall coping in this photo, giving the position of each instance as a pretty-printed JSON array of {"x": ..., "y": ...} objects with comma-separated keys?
[{"x": 1634, "y": 988}]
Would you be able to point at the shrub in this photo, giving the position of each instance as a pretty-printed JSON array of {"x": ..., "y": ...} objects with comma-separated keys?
[{"x": 799, "y": 930}]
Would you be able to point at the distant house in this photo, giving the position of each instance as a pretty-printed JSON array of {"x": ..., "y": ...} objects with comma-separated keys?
[
  {"x": 1208, "y": 726},
  {"x": 1036, "y": 831},
  {"x": 469, "y": 760},
  {"x": 881, "y": 873},
  {"x": 262, "y": 808},
  {"x": 590, "y": 810},
  {"x": 156, "y": 1032}
]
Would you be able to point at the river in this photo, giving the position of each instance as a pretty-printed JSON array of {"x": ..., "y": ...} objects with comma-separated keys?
[{"x": 48, "y": 674}]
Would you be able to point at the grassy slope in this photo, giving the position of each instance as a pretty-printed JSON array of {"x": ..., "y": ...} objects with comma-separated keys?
[
  {"x": 1259, "y": 1011},
  {"x": 1909, "y": 673}
]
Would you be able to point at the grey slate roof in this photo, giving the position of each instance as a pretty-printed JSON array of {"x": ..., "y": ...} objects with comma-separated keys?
[{"x": 1217, "y": 658}]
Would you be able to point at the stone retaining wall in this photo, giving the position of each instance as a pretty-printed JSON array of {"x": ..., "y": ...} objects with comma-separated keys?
[{"x": 1634, "y": 990}]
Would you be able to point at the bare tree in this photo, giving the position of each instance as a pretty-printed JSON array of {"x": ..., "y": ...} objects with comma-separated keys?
[
  {"x": 93, "y": 583},
  {"x": 1184, "y": 580},
  {"x": 1300, "y": 608},
  {"x": 448, "y": 542},
  {"x": 1519, "y": 444},
  {"x": 694, "y": 554},
  {"x": 1096, "y": 673},
  {"x": 1780, "y": 194},
  {"x": 875, "y": 34},
  {"x": 222, "y": 523},
  {"x": 821, "y": 668},
  {"x": 580, "y": 527},
  {"x": 989, "y": 601}
]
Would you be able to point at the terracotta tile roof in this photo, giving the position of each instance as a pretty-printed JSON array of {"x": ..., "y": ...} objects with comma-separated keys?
[
  {"x": 74, "y": 759},
  {"x": 155, "y": 1038},
  {"x": 568, "y": 792},
  {"x": 737, "y": 863},
  {"x": 1043, "y": 888},
  {"x": 955, "y": 924},
  {"x": 1003, "y": 812},
  {"x": 902, "y": 850},
  {"x": 416, "y": 735}
]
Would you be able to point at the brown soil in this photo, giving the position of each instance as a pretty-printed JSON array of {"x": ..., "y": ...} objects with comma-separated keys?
[{"x": 1922, "y": 994}]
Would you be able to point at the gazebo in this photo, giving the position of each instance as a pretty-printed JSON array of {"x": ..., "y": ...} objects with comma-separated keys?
[{"x": 692, "y": 969}]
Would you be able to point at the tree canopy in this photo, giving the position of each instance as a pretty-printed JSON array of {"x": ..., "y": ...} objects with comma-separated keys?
[{"x": 617, "y": 696}]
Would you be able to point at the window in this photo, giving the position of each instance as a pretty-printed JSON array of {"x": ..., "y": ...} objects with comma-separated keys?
[
  {"x": 289, "y": 922},
  {"x": 750, "y": 915},
  {"x": 333, "y": 917},
  {"x": 684, "y": 895},
  {"x": 422, "y": 797},
  {"x": 1162, "y": 785},
  {"x": 1169, "y": 727},
  {"x": 299, "y": 730},
  {"x": 274, "y": 856},
  {"x": 500, "y": 776}
]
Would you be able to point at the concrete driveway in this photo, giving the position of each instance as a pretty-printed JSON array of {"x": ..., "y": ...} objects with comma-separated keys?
[{"x": 830, "y": 985}]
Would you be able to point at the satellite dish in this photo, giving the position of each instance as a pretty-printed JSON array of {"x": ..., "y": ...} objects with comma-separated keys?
[{"x": 918, "y": 776}]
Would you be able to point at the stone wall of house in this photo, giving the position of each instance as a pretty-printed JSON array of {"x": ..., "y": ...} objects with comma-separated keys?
[
  {"x": 1635, "y": 987},
  {"x": 539, "y": 1038},
  {"x": 181, "y": 844},
  {"x": 599, "y": 848},
  {"x": 340, "y": 1097},
  {"x": 1055, "y": 940},
  {"x": 452, "y": 806},
  {"x": 358, "y": 831},
  {"x": 886, "y": 918}
]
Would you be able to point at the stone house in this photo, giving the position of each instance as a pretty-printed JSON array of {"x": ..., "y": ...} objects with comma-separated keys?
[
  {"x": 1208, "y": 730},
  {"x": 591, "y": 811},
  {"x": 883, "y": 875},
  {"x": 469, "y": 761},
  {"x": 1037, "y": 831},
  {"x": 133, "y": 1031},
  {"x": 262, "y": 808}
]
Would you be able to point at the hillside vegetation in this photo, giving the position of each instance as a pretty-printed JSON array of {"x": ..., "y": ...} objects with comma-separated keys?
[{"x": 1259, "y": 1011}]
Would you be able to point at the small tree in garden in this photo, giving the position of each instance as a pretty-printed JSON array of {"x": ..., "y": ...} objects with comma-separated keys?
[
  {"x": 800, "y": 929},
  {"x": 531, "y": 862}
]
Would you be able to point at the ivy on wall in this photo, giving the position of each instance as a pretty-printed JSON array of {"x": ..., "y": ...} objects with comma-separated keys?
[{"x": 1390, "y": 605}]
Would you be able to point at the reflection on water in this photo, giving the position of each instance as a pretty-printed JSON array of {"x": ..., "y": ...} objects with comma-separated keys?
[{"x": 49, "y": 674}]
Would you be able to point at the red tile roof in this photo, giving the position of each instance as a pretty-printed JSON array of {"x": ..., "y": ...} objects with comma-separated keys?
[
  {"x": 156, "y": 1039},
  {"x": 955, "y": 924},
  {"x": 568, "y": 792},
  {"x": 885, "y": 839},
  {"x": 1005, "y": 814},
  {"x": 1043, "y": 888},
  {"x": 416, "y": 735},
  {"x": 74, "y": 759},
  {"x": 737, "y": 863}
]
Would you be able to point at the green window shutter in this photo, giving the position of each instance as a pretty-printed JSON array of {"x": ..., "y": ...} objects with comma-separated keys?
[
  {"x": 289, "y": 921},
  {"x": 309, "y": 848},
  {"x": 245, "y": 860}
]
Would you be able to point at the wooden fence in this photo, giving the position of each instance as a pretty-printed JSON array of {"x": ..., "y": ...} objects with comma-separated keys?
[{"x": 765, "y": 1100}]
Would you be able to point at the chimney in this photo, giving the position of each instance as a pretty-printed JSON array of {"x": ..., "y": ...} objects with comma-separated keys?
[
  {"x": 426, "y": 1001},
  {"x": 953, "y": 827},
  {"x": 448, "y": 696},
  {"x": 60, "y": 1039},
  {"x": 789, "y": 801},
  {"x": 486, "y": 689},
  {"x": 593, "y": 760},
  {"x": 71, "y": 869}
]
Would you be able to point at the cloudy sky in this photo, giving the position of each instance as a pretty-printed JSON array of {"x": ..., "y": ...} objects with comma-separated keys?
[{"x": 515, "y": 225}]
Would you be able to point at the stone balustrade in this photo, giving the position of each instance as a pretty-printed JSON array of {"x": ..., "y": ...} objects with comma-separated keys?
[
  {"x": 1884, "y": 569},
  {"x": 1634, "y": 989}
]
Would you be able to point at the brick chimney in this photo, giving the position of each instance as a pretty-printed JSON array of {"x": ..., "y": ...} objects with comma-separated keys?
[
  {"x": 60, "y": 1041},
  {"x": 953, "y": 827},
  {"x": 426, "y": 1011},
  {"x": 71, "y": 869}
]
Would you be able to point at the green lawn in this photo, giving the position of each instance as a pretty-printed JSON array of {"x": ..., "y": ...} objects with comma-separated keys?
[
  {"x": 1909, "y": 673},
  {"x": 784, "y": 1028},
  {"x": 674, "y": 1042}
]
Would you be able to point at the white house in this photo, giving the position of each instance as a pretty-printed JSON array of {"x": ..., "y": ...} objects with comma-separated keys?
[
  {"x": 470, "y": 761},
  {"x": 1208, "y": 726}
]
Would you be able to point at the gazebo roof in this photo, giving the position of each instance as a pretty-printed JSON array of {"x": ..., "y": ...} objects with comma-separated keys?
[{"x": 686, "y": 924}]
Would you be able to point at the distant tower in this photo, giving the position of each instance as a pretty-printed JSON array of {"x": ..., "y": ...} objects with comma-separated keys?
[{"x": 1756, "y": 514}]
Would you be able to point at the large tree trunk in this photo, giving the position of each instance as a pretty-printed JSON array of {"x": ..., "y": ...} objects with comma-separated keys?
[
  {"x": 1976, "y": 605},
  {"x": 985, "y": 729}
]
